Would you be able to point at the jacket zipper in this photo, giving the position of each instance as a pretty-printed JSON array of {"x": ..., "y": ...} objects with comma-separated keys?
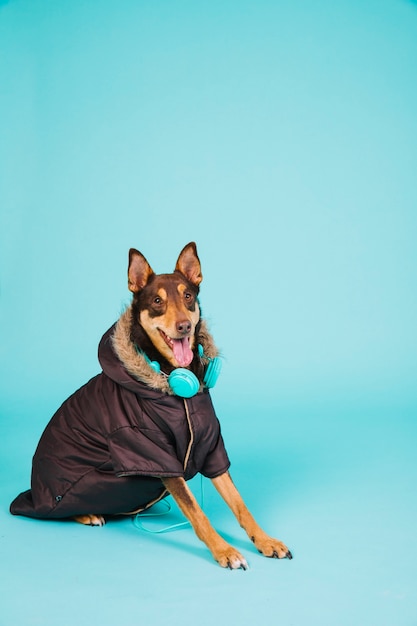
[{"x": 190, "y": 445}]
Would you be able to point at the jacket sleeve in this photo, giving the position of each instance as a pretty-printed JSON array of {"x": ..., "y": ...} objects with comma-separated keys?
[
  {"x": 216, "y": 462},
  {"x": 143, "y": 452}
]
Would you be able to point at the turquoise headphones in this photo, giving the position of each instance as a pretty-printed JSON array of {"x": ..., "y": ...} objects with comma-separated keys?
[{"x": 184, "y": 383}]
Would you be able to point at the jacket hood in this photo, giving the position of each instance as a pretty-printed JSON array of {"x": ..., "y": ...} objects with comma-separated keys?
[{"x": 122, "y": 363}]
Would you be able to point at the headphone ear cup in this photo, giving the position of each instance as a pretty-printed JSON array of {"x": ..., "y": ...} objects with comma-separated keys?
[
  {"x": 183, "y": 383},
  {"x": 212, "y": 372}
]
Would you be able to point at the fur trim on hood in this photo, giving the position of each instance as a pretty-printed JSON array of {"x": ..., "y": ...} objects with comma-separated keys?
[{"x": 136, "y": 364}]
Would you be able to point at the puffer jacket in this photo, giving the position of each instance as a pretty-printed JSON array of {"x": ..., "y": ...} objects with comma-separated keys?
[{"x": 107, "y": 447}]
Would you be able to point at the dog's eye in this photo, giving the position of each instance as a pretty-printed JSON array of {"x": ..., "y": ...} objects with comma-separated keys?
[
  {"x": 157, "y": 300},
  {"x": 188, "y": 296}
]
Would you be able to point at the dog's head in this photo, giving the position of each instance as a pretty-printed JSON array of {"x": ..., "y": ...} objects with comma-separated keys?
[{"x": 165, "y": 306}]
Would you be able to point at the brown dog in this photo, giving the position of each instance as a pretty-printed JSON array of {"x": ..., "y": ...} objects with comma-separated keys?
[{"x": 129, "y": 437}]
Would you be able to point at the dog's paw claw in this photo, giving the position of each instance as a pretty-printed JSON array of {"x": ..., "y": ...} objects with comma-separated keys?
[
  {"x": 231, "y": 559},
  {"x": 272, "y": 548}
]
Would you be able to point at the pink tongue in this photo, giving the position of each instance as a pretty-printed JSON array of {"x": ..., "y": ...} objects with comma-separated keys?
[{"x": 182, "y": 352}]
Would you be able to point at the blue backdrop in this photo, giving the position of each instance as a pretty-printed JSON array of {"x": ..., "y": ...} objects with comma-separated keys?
[{"x": 281, "y": 137}]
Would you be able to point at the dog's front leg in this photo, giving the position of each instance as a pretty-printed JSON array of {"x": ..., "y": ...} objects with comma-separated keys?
[
  {"x": 264, "y": 543},
  {"x": 223, "y": 553}
]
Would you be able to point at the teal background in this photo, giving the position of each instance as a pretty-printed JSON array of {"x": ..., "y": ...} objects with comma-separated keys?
[{"x": 281, "y": 137}]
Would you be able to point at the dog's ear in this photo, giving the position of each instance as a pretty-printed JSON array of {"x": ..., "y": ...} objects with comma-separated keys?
[
  {"x": 139, "y": 271},
  {"x": 189, "y": 264}
]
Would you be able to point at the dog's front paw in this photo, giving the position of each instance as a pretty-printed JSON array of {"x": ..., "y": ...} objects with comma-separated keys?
[
  {"x": 90, "y": 520},
  {"x": 270, "y": 547},
  {"x": 231, "y": 558}
]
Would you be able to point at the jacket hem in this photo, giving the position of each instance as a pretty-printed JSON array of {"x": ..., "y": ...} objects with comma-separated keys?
[
  {"x": 150, "y": 474},
  {"x": 217, "y": 473}
]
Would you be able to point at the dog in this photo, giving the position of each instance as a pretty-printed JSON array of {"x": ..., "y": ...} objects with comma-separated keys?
[{"x": 146, "y": 425}]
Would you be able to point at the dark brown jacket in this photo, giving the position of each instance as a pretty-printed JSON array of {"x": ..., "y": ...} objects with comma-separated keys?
[{"x": 106, "y": 448}]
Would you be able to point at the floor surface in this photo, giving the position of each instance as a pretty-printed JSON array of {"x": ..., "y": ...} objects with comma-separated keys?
[{"x": 337, "y": 485}]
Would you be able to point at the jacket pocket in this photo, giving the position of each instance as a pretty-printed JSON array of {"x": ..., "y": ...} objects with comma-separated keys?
[{"x": 146, "y": 452}]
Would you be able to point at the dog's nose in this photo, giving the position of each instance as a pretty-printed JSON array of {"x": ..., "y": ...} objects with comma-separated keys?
[{"x": 183, "y": 327}]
